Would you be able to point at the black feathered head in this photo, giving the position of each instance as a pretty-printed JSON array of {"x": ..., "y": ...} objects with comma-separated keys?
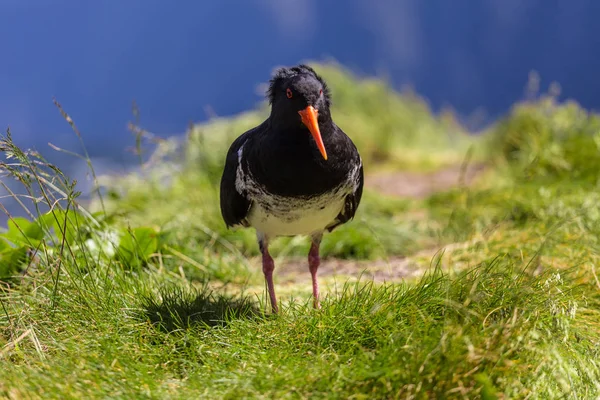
[
  {"x": 286, "y": 74},
  {"x": 300, "y": 97}
]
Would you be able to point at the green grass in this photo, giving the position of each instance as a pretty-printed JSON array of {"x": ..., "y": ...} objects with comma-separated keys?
[{"x": 148, "y": 296}]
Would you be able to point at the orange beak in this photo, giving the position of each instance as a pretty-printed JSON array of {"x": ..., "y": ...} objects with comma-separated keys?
[{"x": 309, "y": 118}]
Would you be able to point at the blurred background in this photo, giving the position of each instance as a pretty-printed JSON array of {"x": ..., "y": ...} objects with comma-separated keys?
[{"x": 188, "y": 60}]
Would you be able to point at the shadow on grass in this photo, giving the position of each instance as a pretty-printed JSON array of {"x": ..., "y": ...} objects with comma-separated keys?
[{"x": 175, "y": 308}]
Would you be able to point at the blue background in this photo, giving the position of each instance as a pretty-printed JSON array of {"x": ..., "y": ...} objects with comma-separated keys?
[{"x": 178, "y": 58}]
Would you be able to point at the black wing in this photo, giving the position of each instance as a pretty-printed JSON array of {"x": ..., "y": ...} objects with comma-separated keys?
[
  {"x": 234, "y": 205},
  {"x": 351, "y": 202}
]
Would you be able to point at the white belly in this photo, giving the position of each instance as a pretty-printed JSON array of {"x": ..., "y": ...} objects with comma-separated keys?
[{"x": 289, "y": 216}]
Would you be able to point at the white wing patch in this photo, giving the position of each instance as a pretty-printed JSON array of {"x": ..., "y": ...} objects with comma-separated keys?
[
  {"x": 240, "y": 177},
  {"x": 354, "y": 175}
]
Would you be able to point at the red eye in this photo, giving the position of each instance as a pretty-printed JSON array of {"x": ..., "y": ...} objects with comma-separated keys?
[
  {"x": 288, "y": 93},
  {"x": 320, "y": 92}
]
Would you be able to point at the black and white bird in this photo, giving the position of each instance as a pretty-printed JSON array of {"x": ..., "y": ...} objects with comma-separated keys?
[{"x": 297, "y": 173}]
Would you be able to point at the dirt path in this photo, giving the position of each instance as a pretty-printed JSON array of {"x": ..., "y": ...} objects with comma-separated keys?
[
  {"x": 419, "y": 185},
  {"x": 379, "y": 270},
  {"x": 401, "y": 184}
]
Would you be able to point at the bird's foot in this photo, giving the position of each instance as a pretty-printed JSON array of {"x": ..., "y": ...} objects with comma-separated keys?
[{"x": 316, "y": 304}]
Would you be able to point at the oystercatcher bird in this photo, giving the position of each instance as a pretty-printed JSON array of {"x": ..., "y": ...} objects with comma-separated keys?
[{"x": 297, "y": 173}]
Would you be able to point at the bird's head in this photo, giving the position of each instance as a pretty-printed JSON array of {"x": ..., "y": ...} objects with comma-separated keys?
[{"x": 300, "y": 97}]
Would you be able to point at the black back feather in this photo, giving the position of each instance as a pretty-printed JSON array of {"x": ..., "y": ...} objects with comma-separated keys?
[{"x": 234, "y": 205}]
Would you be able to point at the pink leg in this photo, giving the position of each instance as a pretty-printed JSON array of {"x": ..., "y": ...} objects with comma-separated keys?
[
  {"x": 268, "y": 267},
  {"x": 313, "y": 265}
]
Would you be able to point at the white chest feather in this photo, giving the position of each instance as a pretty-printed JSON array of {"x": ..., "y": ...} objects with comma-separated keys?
[{"x": 275, "y": 216}]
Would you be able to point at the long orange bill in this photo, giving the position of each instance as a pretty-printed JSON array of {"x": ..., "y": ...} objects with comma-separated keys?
[{"x": 309, "y": 118}]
